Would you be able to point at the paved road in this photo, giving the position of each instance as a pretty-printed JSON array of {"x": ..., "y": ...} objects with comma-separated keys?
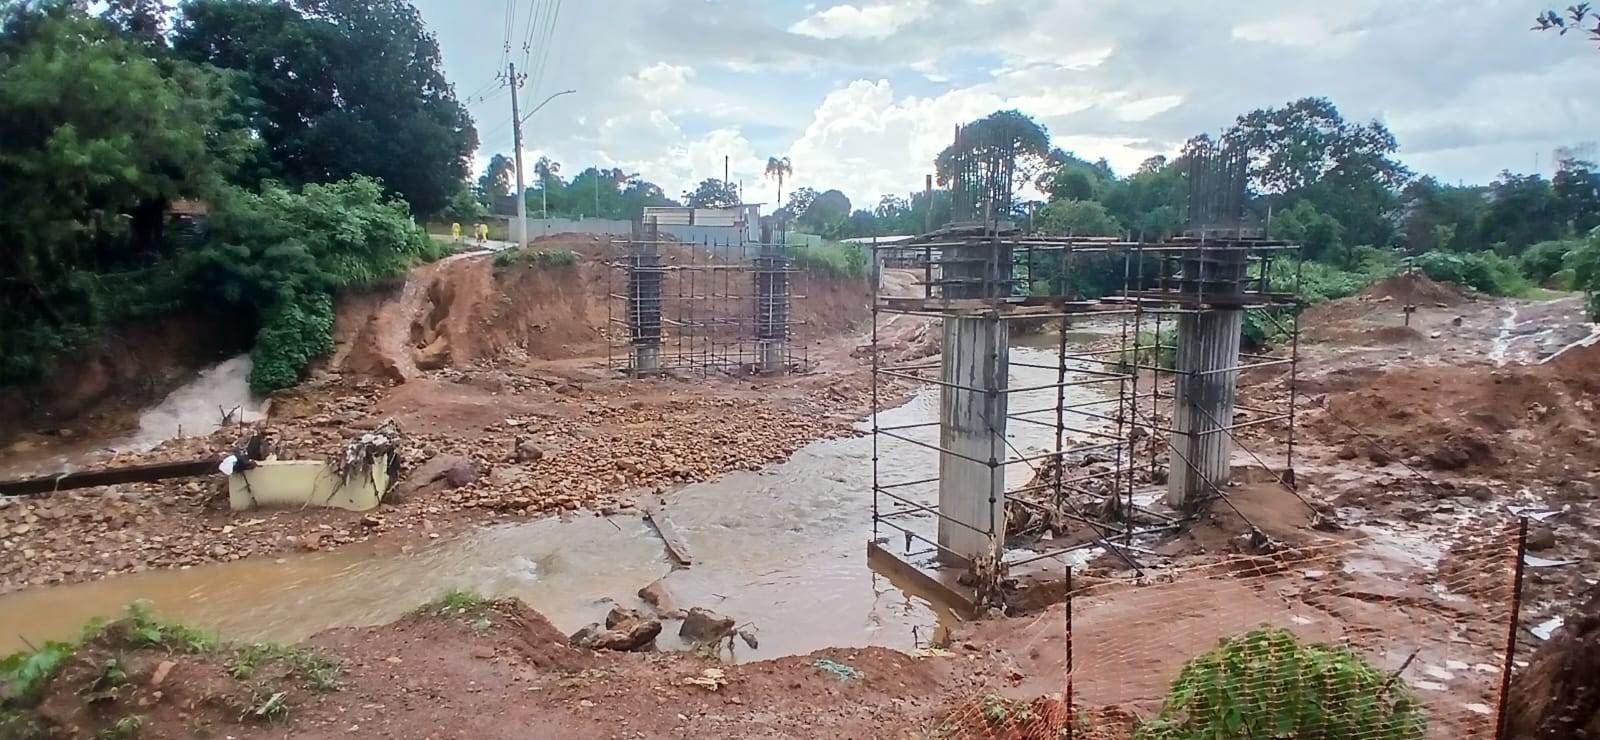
[{"x": 468, "y": 245}]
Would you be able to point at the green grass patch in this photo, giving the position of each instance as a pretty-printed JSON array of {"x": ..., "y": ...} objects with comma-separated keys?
[
  {"x": 835, "y": 259},
  {"x": 149, "y": 631},
  {"x": 317, "y": 671},
  {"x": 552, "y": 258}
]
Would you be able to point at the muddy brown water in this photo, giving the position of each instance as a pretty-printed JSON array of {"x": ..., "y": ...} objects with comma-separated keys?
[{"x": 782, "y": 549}]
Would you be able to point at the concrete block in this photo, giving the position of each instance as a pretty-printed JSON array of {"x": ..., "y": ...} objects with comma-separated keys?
[{"x": 299, "y": 483}]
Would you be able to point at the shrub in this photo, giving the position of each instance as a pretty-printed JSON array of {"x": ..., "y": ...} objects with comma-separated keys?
[
  {"x": 1149, "y": 351},
  {"x": 1544, "y": 260},
  {"x": 1485, "y": 272},
  {"x": 1267, "y": 684},
  {"x": 1584, "y": 263},
  {"x": 536, "y": 257},
  {"x": 280, "y": 254}
]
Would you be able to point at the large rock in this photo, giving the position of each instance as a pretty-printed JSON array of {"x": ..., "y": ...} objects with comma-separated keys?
[
  {"x": 705, "y": 626},
  {"x": 440, "y": 472},
  {"x": 625, "y": 630},
  {"x": 658, "y": 597}
]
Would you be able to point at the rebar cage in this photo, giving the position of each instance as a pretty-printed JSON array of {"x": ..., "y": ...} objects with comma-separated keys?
[
  {"x": 1104, "y": 439},
  {"x": 696, "y": 309}
]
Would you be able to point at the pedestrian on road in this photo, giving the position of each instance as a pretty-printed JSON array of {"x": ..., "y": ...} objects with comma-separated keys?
[
  {"x": 483, "y": 233},
  {"x": 455, "y": 231}
]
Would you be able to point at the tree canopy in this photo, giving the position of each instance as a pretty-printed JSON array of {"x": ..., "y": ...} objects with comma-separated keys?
[
  {"x": 109, "y": 119},
  {"x": 338, "y": 88}
]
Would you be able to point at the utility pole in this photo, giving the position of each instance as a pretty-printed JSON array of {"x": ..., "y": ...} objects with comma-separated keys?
[{"x": 520, "y": 233}]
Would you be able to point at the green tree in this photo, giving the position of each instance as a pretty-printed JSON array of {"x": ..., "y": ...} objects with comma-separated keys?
[
  {"x": 712, "y": 193},
  {"x": 1073, "y": 178},
  {"x": 800, "y": 199},
  {"x": 96, "y": 140},
  {"x": 1522, "y": 210},
  {"x": 552, "y": 189},
  {"x": 638, "y": 194},
  {"x": 1306, "y": 150},
  {"x": 1007, "y": 146},
  {"x": 1319, "y": 235},
  {"x": 498, "y": 179},
  {"x": 1150, "y": 202},
  {"x": 342, "y": 87},
  {"x": 827, "y": 214},
  {"x": 1585, "y": 265},
  {"x": 1078, "y": 218},
  {"x": 1576, "y": 187},
  {"x": 1438, "y": 216}
]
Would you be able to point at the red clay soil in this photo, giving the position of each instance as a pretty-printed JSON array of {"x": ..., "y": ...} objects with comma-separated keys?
[
  {"x": 1416, "y": 287},
  {"x": 1538, "y": 419},
  {"x": 467, "y": 308},
  {"x": 1557, "y": 696},
  {"x": 1365, "y": 319},
  {"x": 503, "y": 671}
]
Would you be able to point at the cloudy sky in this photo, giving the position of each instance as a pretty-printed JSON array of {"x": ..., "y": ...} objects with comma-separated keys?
[{"x": 861, "y": 96}]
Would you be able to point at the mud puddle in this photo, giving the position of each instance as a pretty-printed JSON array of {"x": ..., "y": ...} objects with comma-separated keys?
[{"x": 782, "y": 549}]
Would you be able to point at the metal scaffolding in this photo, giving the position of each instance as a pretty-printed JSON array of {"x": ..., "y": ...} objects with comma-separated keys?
[
  {"x": 1116, "y": 423},
  {"x": 679, "y": 308}
]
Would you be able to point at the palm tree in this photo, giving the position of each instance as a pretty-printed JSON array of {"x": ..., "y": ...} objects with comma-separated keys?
[
  {"x": 546, "y": 168},
  {"x": 779, "y": 169}
]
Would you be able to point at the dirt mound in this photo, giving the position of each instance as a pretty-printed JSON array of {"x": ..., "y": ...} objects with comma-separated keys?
[
  {"x": 139, "y": 677},
  {"x": 1557, "y": 696},
  {"x": 1416, "y": 288},
  {"x": 1534, "y": 418},
  {"x": 478, "y": 306}
]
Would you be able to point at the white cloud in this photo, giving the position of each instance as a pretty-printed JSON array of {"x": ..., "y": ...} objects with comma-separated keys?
[
  {"x": 861, "y": 94},
  {"x": 872, "y": 21},
  {"x": 658, "y": 82}
]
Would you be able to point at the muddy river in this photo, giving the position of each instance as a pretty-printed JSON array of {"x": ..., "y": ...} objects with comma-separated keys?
[{"x": 782, "y": 549}]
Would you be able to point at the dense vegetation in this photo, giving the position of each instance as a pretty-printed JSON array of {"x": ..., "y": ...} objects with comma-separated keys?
[
  {"x": 310, "y": 129},
  {"x": 1334, "y": 186},
  {"x": 313, "y": 131}
]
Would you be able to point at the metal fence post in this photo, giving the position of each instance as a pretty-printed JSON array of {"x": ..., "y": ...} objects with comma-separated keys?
[{"x": 1511, "y": 627}]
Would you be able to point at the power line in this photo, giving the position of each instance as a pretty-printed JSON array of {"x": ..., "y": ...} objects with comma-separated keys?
[
  {"x": 549, "y": 41},
  {"x": 535, "y": 21},
  {"x": 510, "y": 20}
]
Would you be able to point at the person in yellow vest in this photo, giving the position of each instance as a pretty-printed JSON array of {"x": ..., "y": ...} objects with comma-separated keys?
[
  {"x": 455, "y": 231},
  {"x": 483, "y": 233}
]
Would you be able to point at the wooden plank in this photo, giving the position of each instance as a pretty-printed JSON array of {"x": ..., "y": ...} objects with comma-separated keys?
[
  {"x": 147, "y": 473},
  {"x": 913, "y": 580},
  {"x": 655, "y": 512}
]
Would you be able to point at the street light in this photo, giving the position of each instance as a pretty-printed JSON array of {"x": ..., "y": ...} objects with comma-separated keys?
[
  {"x": 543, "y": 102},
  {"x": 544, "y": 200}
]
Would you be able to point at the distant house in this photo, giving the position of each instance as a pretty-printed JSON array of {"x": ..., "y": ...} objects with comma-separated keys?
[
  {"x": 185, "y": 207},
  {"x": 186, "y": 222},
  {"x": 733, "y": 225}
]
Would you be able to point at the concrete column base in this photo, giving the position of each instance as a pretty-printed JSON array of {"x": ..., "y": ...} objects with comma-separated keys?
[
  {"x": 972, "y": 478},
  {"x": 1208, "y": 376},
  {"x": 646, "y": 360},
  {"x": 772, "y": 354}
]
